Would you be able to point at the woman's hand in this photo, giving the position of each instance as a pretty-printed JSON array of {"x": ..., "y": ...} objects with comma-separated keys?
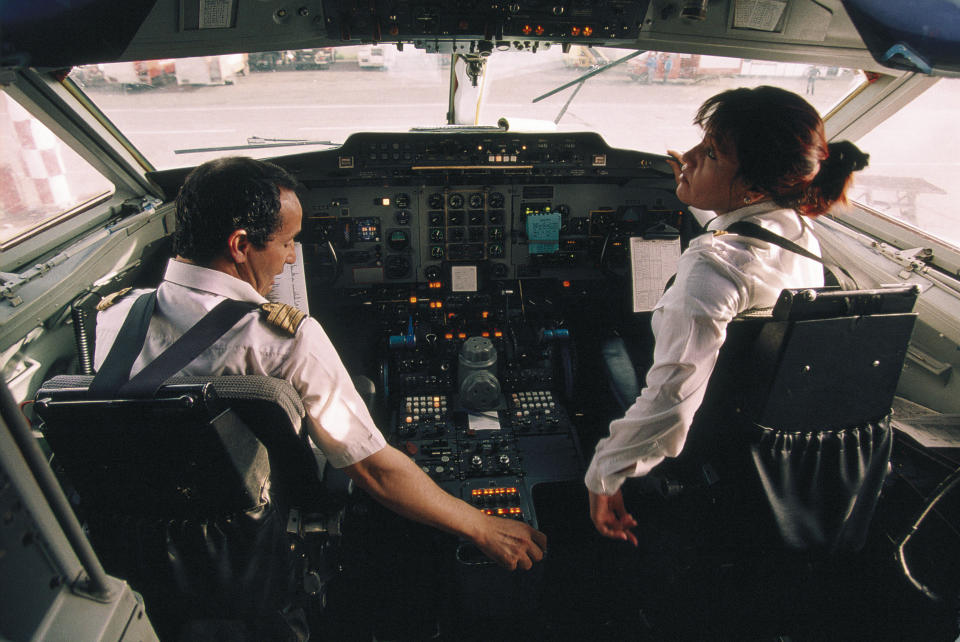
[
  {"x": 611, "y": 518},
  {"x": 676, "y": 163}
]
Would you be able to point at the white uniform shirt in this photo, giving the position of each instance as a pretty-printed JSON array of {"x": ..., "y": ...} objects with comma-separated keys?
[
  {"x": 718, "y": 277},
  {"x": 338, "y": 420}
]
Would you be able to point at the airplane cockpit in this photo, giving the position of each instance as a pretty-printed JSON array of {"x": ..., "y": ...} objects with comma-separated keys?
[{"x": 490, "y": 215}]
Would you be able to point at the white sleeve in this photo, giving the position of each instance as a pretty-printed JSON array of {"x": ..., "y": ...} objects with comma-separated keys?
[{"x": 689, "y": 326}]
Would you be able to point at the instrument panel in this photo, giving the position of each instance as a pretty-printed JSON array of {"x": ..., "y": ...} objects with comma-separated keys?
[{"x": 461, "y": 210}]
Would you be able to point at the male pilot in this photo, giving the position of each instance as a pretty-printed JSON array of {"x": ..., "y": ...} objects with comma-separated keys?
[{"x": 237, "y": 219}]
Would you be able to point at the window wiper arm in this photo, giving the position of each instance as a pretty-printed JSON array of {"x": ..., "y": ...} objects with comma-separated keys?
[
  {"x": 590, "y": 74},
  {"x": 258, "y": 142}
]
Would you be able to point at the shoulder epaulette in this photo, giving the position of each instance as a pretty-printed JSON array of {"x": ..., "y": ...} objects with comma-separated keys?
[
  {"x": 112, "y": 298},
  {"x": 283, "y": 316}
]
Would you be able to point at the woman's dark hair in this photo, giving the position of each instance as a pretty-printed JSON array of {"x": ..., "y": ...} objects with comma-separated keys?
[
  {"x": 224, "y": 195},
  {"x": 780, "y": 145}
]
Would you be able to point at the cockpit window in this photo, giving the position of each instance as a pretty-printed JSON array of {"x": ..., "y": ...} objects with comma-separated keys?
[
  {"x": 42, "y": 180},
  {"x": 182, "y": 112},
  {"x": 913, "y": 169}
]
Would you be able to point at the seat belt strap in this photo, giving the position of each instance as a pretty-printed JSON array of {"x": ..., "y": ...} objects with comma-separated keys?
[
  {"x": 752, "y": 230},
  {"x": 115, "y": 370},
  {"x": 113, "y": 379},
  {"x": 198, "y": 338}
]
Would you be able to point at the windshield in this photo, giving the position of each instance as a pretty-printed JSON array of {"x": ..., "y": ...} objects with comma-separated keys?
[{"x": 182, "y": 112}]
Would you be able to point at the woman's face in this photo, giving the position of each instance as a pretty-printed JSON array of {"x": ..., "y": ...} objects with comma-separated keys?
[{"x": 708, "y": 178}]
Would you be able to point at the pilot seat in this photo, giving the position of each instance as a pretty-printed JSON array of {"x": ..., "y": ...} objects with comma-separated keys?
[
  {"x": 202, "y": 492},
  {"x": 786, "y": 457}
]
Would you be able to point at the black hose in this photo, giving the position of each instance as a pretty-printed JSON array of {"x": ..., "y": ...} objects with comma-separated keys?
[{"x": 84, "y": 355}]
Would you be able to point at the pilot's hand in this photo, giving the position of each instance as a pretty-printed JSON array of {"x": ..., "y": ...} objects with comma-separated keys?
[
  {"x": 676, "y": 163},
  {"x": 611, "y": 518},
  {"x": 510, "y": 543}
]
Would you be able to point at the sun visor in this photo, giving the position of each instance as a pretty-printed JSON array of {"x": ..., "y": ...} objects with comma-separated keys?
[
  {"x": 69, "y": 32},
  {"x": 921, "y": 35}
]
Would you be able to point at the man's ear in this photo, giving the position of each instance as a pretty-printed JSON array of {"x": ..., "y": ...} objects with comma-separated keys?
[{"x": 237, "y": 245}]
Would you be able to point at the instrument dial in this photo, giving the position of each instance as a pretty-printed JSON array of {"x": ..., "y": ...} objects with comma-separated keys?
[
  {"x": 496, "y": 200},
  {"x": 476, "y": 200},
  {"x": 455, "y": 201},
  {"x": 435, "y": 201},
  {"x": 398, "y": 240}
]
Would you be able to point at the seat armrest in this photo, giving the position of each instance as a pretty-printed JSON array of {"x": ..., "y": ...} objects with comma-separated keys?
[{"x": 620, "y": 372}]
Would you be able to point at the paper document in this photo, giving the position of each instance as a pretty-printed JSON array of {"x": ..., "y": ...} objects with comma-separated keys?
[
  {"x": 290, "y": 286},
  {"x": 653, "y": 261},
  {"x": 543, "y": 232},
  {"x": 484, "y": 421}
]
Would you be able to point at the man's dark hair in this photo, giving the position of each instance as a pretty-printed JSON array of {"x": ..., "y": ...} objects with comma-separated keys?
[{"x": 224, "y": 195}]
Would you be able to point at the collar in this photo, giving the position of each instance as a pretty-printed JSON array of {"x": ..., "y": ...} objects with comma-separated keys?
[
  {"x": 724, "y": 220},
  {"x": 212, "y": 281}
]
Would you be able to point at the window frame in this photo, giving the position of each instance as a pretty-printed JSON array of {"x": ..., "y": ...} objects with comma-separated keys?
[{"x": 50, "y": 100}]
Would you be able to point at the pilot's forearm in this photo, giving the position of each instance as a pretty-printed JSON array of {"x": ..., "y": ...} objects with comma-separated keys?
[
  {"x": 397, "y": 483},
  {"x": 400, "y": 485}
]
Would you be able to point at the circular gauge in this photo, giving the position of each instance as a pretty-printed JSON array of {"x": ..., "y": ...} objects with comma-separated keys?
[
  {"x": 455, "y": 201},
  {"x": 432, "y": 273},
  {"x": 402, "y": 217},
  {"x": 435, "y": 201},
  {"x": 496, "y": 234},
  {"x": 436, "y": 251},
  {"x": 495, "y": 250},
  {"x": 397, "y": 267},
  {"x": 398, "y": 240},
  {"x": 402, "y": 201},
  {"x": 436, "y": 235},
  {"x": 496, "y": 200},
  {"x": 476, "y": 200}
]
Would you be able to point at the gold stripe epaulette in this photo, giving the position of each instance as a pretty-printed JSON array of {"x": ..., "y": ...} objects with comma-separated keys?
[
  {"x": 283, "y": 316},
  {"x": 111, "y": 298}
]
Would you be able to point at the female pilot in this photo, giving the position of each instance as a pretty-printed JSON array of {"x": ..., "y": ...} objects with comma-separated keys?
[{"x": 764, "y": 158}]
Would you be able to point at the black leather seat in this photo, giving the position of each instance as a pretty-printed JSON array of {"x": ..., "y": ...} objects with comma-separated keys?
[
  {"x": 200, "y": 497},
  {"x": 796, "y": 415}
]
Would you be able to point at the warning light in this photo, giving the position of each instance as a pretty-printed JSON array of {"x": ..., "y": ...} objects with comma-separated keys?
[
  {"x": 413, "y": 300},
  {"x": 574, "y": 30},
  {"x": 497, "y": 334},
  {"x": 385, "y": 201},
  {"x": 588, "y": 31},
  {"x": 526, "y": 30},
  {"x": 435, "y": 285},
  {"x": 566, "y": 284},
  {"x": 539, "y": 30},
  {"x": 485, "y": 314},
  {"x": 462, "y": 335},
  {"x": 485, "y": 335},
  {"x": 448, "y": 336},
  {"x": 450, "y": 315}
]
